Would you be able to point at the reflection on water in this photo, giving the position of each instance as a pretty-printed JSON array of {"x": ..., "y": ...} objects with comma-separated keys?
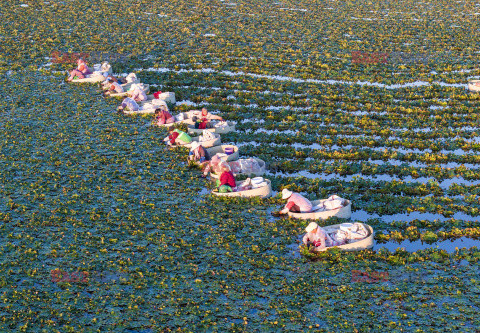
[
  {"x": 447, "y": 245},
  {"x": 204, "y": 191},
  {"x": 293, "y": 249}
]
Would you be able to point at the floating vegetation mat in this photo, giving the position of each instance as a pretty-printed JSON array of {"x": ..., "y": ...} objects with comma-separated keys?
[{"x": 103, "y": 229}]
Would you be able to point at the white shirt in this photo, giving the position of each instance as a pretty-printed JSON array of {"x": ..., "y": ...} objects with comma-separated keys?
[{"x": 319, "y": 238}]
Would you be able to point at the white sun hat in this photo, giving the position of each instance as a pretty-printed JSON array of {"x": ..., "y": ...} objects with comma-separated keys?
[
  {"x": 312, "y": 226},
  {"x": 195, "y": 145},
  {"x": 286, "y": 193}
]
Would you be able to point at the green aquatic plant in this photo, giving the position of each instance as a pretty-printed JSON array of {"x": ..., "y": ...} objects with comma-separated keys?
[{"x": 84, "y": 189}]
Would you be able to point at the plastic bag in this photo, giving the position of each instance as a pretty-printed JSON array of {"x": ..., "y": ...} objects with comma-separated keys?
[
  {"x": 258, "y": 182},
  {"x": 340, "y": 237},
  {"x": 207, "y": 135},
  {"x": 139, "y": 86},
  {"x": 106, "y": 67},
  {"x": 166, "y": 96},
  {"x": 235, "y": 166},
  {"x": 358, "y": 231},
  {"x": 221, "y": 124},
  {"x": 249, "y": 165},
  {"x": 333, "y": 202},
  {"x": 131, "y": 77}
]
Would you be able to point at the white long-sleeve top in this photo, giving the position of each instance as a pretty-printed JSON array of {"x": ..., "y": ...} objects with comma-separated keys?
[{"x": 319, "y": 238}]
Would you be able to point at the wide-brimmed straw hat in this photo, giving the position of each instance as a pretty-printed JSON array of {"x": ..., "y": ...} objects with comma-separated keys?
[
  {"x": 286, "y": 193},
  {"x": 312, "y": 226},
  {"x": 195, "y": 145}
]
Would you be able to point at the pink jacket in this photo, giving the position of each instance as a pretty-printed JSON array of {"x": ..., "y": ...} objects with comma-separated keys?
[
  {"x": 297, "y": 200},
  {"x": 319, "y": 238},
  {"x": 82, "y": 67},
  {"x": 116, "y": 87},
  {"x": 139, "y": 95}
]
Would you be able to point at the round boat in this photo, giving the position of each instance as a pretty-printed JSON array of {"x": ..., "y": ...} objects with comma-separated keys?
[
  {"x": 228, "y": 129},
  {"x": 105, "y": 67},
  {"x": 92, "y": 78},
  {"x": 125, "y": 86},
  {"x": 357, "y": 245},
  {"x": 149, "y": 99},
  {"x": 342, "y": 212},
  {"x": 214, "y": 176},
  {"x": 166, "y": 97},
  {"x": 146, "y": 88},
  {"x": 221, "y": 149},
  {"x": 187, "y": 121},
  {"x": 474, "y": 85},
  {"x": 206, "y": 144},
  {"x": 142, "y": 110},
  {"x": 262, "y": 192}
]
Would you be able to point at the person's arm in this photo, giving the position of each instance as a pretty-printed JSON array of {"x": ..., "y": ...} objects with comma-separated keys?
[
  {"x": 207, "y": 169},
  {"x": 214, "y": 117},
  {"x": 287, "y": 208},
  {"x": 135, "y": 95},
  {"x": 320, "y": 241},
  {"x": 202, "y": 154},
  {"x": 305, "y": 239}
]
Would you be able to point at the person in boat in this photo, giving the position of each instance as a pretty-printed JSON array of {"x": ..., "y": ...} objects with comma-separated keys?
[
  {"x": 177, "y": 137},
  {"x": 318, "y": 237},
  {"x": 128, "y": 104},
  {"x": 162, "y": 116},
  {"x": 201, "y": 123},
  {"x": 215, "y": 165},
  {"x": 296, "y": 203},
  {"x": 106, "y": 84},
  {"x": 105, "y": 68},
  {"x": 138, "y": 94},
  {"x": 204, "y": 114},
  {"x": 226, "y": 182},
  {"x": 113, "y": 87},
  {"x": 198, "y": 154},
  {"x": 81, "y": 71}
]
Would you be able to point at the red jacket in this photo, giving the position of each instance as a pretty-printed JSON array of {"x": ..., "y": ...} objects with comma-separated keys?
[
  {"x": 172, "y": 137},
  {"x": 203, "y": 124},
  {"x": 227, "y": 178}
]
